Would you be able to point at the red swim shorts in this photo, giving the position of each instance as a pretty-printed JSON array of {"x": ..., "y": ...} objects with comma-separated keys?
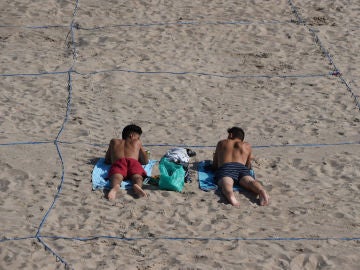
[{"x": 127, "y": 167}]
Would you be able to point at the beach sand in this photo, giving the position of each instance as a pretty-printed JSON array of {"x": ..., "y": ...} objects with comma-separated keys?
[{"x": 185, "y": 71}]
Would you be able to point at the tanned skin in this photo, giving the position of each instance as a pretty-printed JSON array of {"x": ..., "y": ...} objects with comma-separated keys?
[
  {"x": 131, "y": 147},
  {"x": 234, "y": 149}
]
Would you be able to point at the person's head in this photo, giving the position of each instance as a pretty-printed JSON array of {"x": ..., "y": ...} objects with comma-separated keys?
[
  {"x": 131, "y": 129},
  {"x": 236, "y": 133}
]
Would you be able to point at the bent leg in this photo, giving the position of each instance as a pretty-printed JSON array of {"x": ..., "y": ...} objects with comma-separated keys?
[
  {"x": 137, "y": 180},
  {"x": 115, "y": 181},
  {"x": 226, "y": 184},
  {"x": 251, "y": 184}
]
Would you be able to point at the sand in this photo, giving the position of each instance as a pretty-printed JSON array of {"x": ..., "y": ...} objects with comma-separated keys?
[{"x": 73, "y": 74}]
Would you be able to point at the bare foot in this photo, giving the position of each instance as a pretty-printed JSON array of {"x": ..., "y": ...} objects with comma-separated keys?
[
  {"x": 139, "y": 191},
  {"x": 264, "y": 198},
  {"x": 112, "y": 194},
  {"x": 234, "y": 201}
]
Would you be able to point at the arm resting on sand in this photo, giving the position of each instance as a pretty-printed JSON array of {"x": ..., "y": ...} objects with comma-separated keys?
[{"x": 143, "y": 158}]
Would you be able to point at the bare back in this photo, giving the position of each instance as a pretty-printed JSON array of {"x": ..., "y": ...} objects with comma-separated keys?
[
  {"x": 119, "y": 148},
  {"x": 232, "y": 150}
]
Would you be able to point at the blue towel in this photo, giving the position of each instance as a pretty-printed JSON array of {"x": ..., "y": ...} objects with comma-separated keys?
[
  {"x": 206, "y": 177},
  {"x": 101, "y": 170}
]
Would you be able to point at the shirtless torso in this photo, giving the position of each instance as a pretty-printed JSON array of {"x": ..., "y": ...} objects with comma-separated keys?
[
  {"x": 232, "y": 150},
  {"x": 235, "y": 150},
  {"x": 129, "y": 148}
]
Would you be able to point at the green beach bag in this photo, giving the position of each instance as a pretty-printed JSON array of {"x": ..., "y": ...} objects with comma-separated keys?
[{"x": 171, "y": 175}]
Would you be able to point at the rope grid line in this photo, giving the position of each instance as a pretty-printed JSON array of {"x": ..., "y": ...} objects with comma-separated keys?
[
  {"x": 180, "y": 22},
  {"x": 97, "y": 237},
  {"x": 186, "y": 145},
  {"x": 56, "y": 143},
  {"x": 71, "y": 70},
  {"x": 34, "y": 26},
  {"x": 325, "y": 53},
  {"x": 75, "y": 26},
  {"x": 187, "y": 23}
]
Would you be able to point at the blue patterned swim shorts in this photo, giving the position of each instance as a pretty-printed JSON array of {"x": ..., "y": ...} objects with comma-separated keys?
[{"x": 235, "y": 170}]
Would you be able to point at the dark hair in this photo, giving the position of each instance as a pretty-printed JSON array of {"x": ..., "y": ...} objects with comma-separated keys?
[
  {"x": 237, "y": 132},
  {"x": 130, "y": 129}
]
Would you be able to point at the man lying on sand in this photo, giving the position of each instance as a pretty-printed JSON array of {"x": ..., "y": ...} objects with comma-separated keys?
[
  {"x": 232, "y": 162},
  {"x": 126, "y": 156}
]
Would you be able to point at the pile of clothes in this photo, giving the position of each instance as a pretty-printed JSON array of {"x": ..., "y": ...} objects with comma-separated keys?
[{"x": 181, "y": 156}]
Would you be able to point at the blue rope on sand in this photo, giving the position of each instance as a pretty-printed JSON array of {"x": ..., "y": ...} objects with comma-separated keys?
[
  {"x": 187, "y": 145},
  {"x": 90, "y": 238},
  {"x": 265, "y": 76},
  {"x": 261, "y": 146},
  {"x": 56, "y": 143},
  {"x": 33, "y": 74},
  {"x": 204, "y": 238},
  {"x": 5, "y": 239},
  {"x": 68, "y": 108},
  {"x": 25, "y": 143},
  {"x": 181, "y": 22},
  {"x": 34, "y": 26},
  {"x": 326, "y": 53},
  {"x": 75, "y": 26}
]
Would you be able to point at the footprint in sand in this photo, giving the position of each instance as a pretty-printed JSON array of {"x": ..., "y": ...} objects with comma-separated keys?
[{"x": 307, "y": 262}]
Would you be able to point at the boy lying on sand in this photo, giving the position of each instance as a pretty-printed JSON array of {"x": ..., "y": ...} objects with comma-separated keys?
[
  {"x": 232, "y": 163},
  {"x": 126, "y": 156}
]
